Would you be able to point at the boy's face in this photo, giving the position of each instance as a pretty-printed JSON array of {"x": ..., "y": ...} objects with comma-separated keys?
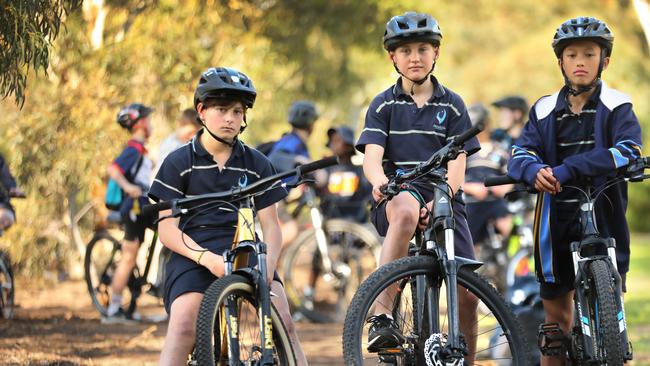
[
  {"x": 224, "y": 121},
  {"x": 337, "y": 145},
  {"x": 415, "y": 60},
  {"x": 580, "y": 60},
  {"x": 509, "y": 117},
  {"x": 145, "y": 125}
]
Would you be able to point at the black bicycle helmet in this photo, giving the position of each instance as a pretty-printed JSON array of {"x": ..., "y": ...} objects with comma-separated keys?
[
  {"x": 129, "y": 115},
  {"x": 411, "y": 27},
  {"x": 583, "y": 28},
  {"x": 302, "y": 114},
  {"x": 223, "y": 82}
]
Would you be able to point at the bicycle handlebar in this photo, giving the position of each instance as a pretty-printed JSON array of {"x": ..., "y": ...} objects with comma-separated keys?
[
  {"x": 633, "y": 171},
  {"x": 439, "y": 158},
  {"x": 237, "y": 192}
]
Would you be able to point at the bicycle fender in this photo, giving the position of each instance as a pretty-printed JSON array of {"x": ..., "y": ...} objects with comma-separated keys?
[{"x": 466, "y": 262}]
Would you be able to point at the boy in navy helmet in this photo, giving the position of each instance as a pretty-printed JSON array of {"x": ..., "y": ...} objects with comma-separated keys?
[
  {"x": 577, "y": 136},
  {"x": 214, "y": 160},
  {"x": 131, "y": 170},
  {"x": 405, "y": 125}
]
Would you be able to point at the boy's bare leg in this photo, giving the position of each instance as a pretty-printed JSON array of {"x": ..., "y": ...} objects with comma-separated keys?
[
  {"x": 403, "y": 213},
  {"x": 125, "y": 266},
  {"x": 181, "y": 330},
  {"x": 558, "y": 310},
  {"x": 282, "y": 305}
]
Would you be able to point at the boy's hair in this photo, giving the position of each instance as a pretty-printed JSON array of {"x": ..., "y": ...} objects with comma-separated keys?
[
  {"x": 190, "y": 116},
  {"x": 411, "y": 27}
]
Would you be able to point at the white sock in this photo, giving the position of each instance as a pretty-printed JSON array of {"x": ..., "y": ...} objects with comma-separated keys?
[{"x": 114, "y": 306}]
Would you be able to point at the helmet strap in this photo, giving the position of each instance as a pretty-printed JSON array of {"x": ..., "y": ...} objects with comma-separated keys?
[
  {"x": 222, "y": 140},
  {"x": 418, "y": 82},
  {"x": 583, "y": 88}
]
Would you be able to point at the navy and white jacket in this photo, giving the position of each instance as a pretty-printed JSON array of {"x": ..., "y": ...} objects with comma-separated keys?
[{"x": 617, "y": 137}]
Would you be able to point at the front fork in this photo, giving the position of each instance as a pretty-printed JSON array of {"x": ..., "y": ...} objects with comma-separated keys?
[
  {"x": 231, "y": 313},
  {"x": 587, "y": 325}
]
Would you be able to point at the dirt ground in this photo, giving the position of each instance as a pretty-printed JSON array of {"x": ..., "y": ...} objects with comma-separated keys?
[{"x": 57, "y": 325}]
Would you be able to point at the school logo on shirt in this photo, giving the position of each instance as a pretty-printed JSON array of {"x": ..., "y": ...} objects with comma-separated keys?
[
  {"x": 441, "y": 115},
  {"x": 243, "y": 181}
]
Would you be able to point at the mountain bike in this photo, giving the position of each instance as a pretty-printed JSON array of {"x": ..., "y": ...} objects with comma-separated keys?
[
  {"x": 103, "y": 253},
  {"x": 599, "y": 333},
  {"x": 237, "y": 323},
  {"x": 424, "y": 291},
  {"x": 330, "y": 259},
  {"x": 7, "y": 289}
]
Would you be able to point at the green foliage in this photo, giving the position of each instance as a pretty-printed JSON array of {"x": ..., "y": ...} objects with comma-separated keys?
[
  {"x": 328, "y": 51},
  {"x": 27, "y": 29}
]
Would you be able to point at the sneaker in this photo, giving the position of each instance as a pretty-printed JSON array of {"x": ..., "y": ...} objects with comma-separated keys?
[
  {"x": 120, "y": 317},
  {"x": 383, "y": 333}
]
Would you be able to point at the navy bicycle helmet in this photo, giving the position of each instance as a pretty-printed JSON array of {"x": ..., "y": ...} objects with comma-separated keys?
[
  {"x": 411, "y": 27},
  {"x": 223, "y": 82},
  {"x": 583, "y": 28},
  {"x": 302, "y": 114}
]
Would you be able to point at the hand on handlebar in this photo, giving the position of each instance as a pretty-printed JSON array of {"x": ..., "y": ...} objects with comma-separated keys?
[
  {"x": 133, "y": 190},
  {"x": 424, "y": 216},
  {"x": 546, "y": 182},
  {"x": 376, "y": 189}
]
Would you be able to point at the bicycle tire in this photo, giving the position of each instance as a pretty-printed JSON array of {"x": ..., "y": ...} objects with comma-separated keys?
[
  {"x": 207, "y": 326},
  {"x": 102, "y": 254},
  {"x": 7, "y": 289},
  {"x": 402, "y": 270},
  {"x": 603, "y": 307},
  {"x": 353, "y": 247}
]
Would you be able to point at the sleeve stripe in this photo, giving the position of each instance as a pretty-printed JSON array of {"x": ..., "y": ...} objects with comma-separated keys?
[
  {"x": 375, "y": 130},
  {"x": 619, "y": 159},
  {"x": 243, "y": 170},
  {"x": 167, "y": 186}
]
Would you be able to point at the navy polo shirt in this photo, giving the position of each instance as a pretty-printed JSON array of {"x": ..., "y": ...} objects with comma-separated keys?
[
  {"x": 410, "y": 135},
  {"x": 574, "y": 135},
  {"x": 191, "y": 171}
]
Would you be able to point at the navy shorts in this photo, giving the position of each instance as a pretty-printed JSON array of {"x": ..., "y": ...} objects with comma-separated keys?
[
  {"x": 481, "y": 214},
  {"x": 183, "y": 275},
  {"x": 464, "y": 246},
  {"x": 568, "y": 231},
  {"x": 134, "y": 230}
]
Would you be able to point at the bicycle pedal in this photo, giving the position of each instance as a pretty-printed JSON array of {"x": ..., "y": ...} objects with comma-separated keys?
[{"x": 551, "y": 339}]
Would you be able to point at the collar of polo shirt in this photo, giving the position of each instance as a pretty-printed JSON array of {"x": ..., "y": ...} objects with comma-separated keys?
[
  {"x": 438, "y": 90},
  {"x": 200, "y": 150}
]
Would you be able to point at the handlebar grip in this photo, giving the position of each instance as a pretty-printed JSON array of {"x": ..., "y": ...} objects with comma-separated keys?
[
  {"x": 149, "y": 210},
  {"x": 460, "y": 139},
  {"x": 318, "y": 164},
  {"x": 498, "y": 180}
]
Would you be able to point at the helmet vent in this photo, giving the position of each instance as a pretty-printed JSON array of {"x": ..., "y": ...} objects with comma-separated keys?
[
  {"x": 402, "y": 25},
  {"x": 422, "y": 23}
]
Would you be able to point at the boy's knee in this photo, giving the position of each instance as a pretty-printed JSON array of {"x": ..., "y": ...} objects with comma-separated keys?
[{"x": 404, "y": 218}]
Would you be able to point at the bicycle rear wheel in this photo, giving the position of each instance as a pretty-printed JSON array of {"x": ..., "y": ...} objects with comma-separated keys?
[
  {"x": 353, "y": 250},
  {"x": 603, "y": 311},
  {"x": 499, "y": 339},
  {"x": 211, "y": 348},
  {"x": 6, "y": 288},
  {"x": 103, "y": 253}
]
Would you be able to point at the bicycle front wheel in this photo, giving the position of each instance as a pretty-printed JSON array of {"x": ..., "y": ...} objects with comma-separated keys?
[
  {"x": 323, "y": 296},
  {"x": 6, "y": 288},
  {"x": 103, "y": 253},
  {"x": 212, "y": 347},
  {"x": 497, "y": 334},
  {"x": 604, "y": 308}
]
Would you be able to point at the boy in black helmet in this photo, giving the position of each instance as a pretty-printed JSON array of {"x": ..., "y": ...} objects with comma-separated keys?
[
  {"x": 405, "y": 125},
  {"x": 513, "y": 111},
  {"x": 131, "y": 170},
  {"x": 577, "y": 136},
  {"x": 215, "y": 160}
]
